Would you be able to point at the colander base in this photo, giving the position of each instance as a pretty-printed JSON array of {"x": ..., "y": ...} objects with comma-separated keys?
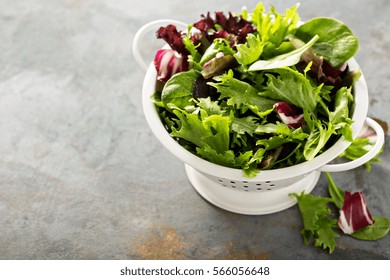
[{"x": 249, "y": 203}]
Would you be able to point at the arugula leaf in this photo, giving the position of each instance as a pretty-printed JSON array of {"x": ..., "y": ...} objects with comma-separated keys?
[
  {"x": 335, "y": 193},
  {"x": 340, "y": 116},
  {"x": 317, "y": 139},
  {"x": 336, "y": 44},
  {"x": 283, "y": 60}
]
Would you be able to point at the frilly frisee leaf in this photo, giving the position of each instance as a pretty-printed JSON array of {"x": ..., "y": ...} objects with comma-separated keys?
[
  {"x": 317, "y": 222},
  {"x": 212, "y": 131},
  {"x": 274, "y": 27},
  {"x": 240, "y": 94},
  {"x": 250, "y": 51}
]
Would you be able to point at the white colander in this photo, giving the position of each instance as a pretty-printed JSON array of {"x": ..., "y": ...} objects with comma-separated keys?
[{"x": 269, "y": 191}]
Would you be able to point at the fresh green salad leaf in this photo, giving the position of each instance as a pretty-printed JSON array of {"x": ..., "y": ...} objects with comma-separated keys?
[
  {"x": 335, "y": 193},
  {"x": 378, "y": 230},
  {"x": 320, "y": 222},
  {"x": 275, "y": 28},
  {"x": 250, "y": 51},
  {"x": 358, "y": 148},
  {"x": 292, "y": 87},
  {"x": 241, "y": 95},
  {"x": 178, "y": 89},
  {"x": 203, "y": 130},
  {"x": 317, "y": 224},
  {"x": 283, "y": 60},
  {"x": 336, "y": 44}
]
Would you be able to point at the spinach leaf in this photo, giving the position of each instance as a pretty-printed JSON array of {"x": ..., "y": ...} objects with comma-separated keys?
[
  {"x": 378, "y": 230},
  {"x": 178, "y": 89},
  {"x": 336, "y": 44}
]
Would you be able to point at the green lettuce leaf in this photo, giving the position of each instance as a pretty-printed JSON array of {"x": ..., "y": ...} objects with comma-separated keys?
[
  {"x": 242, "y": 95},
  {"x": 292, "y": 87},
  {"x": 317, "y": 139},
  {"x": 203, "y": 130}
]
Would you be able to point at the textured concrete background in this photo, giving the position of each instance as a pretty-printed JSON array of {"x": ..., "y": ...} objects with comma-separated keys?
[{"x": 82, "y": 176}]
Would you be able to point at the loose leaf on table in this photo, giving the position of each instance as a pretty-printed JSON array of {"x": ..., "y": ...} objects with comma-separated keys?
[
  {"x": 378, "y": 230},
  {"x": 317, "y": 223},
  {"x": 335, "y": 193}
]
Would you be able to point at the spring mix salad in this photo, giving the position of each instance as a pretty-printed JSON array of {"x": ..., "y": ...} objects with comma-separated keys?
[{"x": 256, "y": 90}]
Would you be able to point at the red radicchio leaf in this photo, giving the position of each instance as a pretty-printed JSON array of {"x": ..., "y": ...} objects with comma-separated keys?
[
  {"x": 168, "y": 63},
  {"x": 173, "y": 37},
  {"x": 289, "y": 114},
  {"x": 354, "y": 214},
  {"x": 232, "y": 25}
]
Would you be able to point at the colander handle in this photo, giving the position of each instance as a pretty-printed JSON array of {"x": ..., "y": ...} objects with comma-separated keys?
[
  {"x": 380, "y": 139},
  {"x": 150, "y": 27}
]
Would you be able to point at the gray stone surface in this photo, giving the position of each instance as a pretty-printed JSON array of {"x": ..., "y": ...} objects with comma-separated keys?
[{"x": 82, "y": 176}]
